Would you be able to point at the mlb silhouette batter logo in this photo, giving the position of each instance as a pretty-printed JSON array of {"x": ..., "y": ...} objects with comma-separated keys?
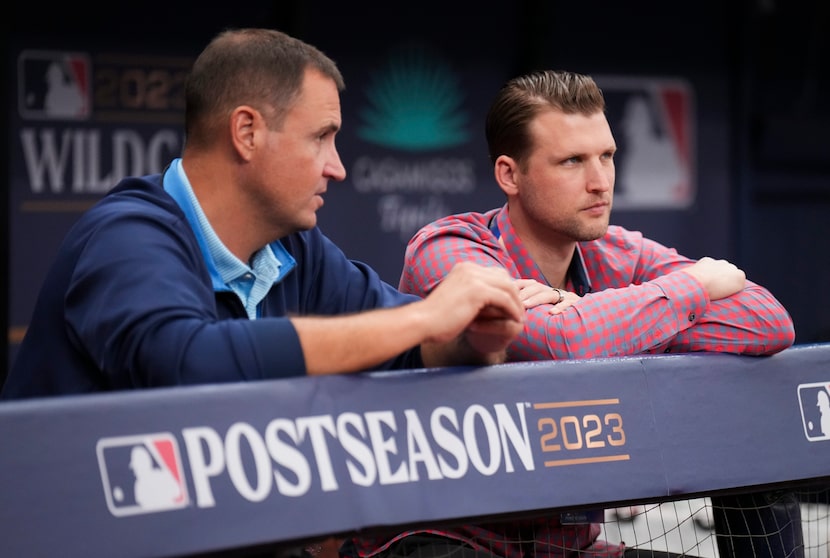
[
  {"x": 652, "y": 121},
  {"x": 53, "y": 85},
  {"x": 815, "y": 410},
  {"x": 142, "y": 474}
]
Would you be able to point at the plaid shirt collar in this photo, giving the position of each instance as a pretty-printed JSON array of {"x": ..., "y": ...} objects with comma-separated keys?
[{"x": 577, "y": 276}]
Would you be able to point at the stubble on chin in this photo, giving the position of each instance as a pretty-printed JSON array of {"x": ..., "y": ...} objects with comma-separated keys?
[{"x": 593, "y": 231}]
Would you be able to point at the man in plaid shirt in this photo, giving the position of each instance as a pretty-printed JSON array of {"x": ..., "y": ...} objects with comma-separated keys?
[{"x": 591, "y": 289}]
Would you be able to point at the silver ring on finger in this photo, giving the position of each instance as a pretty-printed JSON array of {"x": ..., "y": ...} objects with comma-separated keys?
[{"x": 561, "y": 295}]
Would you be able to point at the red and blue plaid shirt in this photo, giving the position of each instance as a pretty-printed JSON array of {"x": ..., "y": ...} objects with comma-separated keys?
[{"x": 630, "y": 305}]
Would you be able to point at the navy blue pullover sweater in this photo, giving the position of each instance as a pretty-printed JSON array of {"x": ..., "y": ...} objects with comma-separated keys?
[{"x": 129, "y": 303}]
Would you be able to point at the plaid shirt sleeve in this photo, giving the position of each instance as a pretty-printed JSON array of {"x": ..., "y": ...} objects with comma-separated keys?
[
  {"x": 750, "y": 322},
  {"x": 636, "y": 305}
]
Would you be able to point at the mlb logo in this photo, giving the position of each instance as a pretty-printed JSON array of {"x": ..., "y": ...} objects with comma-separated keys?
[
  {"x": 652, "y": 122},
  {"x": 53, "y": 85},
  {"x": 815, "y": 410},
  {"x": 142, "y": 474}
]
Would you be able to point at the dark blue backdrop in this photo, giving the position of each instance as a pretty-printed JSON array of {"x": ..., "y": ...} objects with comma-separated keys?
[{"x": 756, "y": 161}]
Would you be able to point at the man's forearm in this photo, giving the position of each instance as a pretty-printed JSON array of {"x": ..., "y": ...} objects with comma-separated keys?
[{"x": 357, "y": 342}]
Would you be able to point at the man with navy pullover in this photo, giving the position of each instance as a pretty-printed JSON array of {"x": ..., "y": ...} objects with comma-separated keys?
[{"x": 215, "y": 270}]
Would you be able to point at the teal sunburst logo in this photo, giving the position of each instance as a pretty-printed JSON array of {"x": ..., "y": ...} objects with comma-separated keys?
[{"x": 414, "y": 104}]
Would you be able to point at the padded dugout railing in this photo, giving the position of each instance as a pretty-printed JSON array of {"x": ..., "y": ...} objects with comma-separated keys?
[{"x": 287, "y": 461}]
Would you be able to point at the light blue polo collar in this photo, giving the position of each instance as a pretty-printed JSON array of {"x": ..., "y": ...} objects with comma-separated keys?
[{"x": 176, "y": 183}]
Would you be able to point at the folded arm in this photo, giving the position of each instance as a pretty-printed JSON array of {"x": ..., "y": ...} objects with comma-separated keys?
[{"x": 657, "y": 307}]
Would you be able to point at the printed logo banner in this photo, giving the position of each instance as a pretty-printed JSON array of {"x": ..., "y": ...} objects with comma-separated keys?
[
  {"x": 815, "y": 410},
  {"x": 179, "y": 471},
  {"x": 82, "y": 120},
  {"x": 652, "y": 120},
  {"x": 142, "y": 474}
]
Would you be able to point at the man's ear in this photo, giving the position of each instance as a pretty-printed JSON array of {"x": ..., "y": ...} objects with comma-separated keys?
[
  {"x": 244, "y": 122},
  {"x": 505, "y": 170}
]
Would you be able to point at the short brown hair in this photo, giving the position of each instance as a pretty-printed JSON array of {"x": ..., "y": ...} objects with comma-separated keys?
[
  {"x": 263, "y": 68},
  {"x": 523, "y": 97}
]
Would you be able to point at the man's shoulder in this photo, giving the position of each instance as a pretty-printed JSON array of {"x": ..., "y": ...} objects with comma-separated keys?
[
  {"x": 616, "y": 241},
  {"x": 471, "y": 221},
  {"x": 617, "y": 234},
  {"x": 143, "y": 194},
  {"x": 144, "y": 188},
  {"x": 134, "y": 201}
]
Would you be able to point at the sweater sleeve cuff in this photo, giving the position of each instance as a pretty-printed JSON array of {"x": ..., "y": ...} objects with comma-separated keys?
[{"x": 279, "y": 342}]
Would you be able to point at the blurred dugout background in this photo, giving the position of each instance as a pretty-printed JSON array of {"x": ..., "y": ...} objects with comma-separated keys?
[
  {"x": 747, "y": 126},
  {"x": 736, "y": 91}
]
